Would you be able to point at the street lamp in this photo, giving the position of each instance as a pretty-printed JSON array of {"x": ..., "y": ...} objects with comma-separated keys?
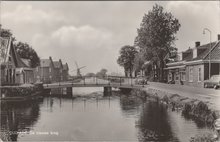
[{"x": 206, "y": 29}]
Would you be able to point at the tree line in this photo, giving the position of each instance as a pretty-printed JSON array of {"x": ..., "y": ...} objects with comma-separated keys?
[{"x": 154, "y": 41}]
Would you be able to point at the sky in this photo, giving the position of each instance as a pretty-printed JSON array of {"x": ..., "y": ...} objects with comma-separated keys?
[{"x": 92, "y": 32}]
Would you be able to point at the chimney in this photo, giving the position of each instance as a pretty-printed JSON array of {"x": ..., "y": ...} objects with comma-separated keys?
[
  {"x": 50, "y": 58},
  {"x": 218, "y": 36},
  {"x": 197, "y": 43}
]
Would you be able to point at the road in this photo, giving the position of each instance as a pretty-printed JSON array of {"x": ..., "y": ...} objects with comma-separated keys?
[{"x": 209, "y": 95}]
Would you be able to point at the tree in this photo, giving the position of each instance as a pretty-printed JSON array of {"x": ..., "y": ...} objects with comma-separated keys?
[
  {"x": 7, "y": 33},
  {"x": 102, "y": 73},
  {"x": 156, "y": 36},
  {"x": 90, "y": 74},
  {"x": 139, "y": 61},
  {"x": 25, "y": 51},
  {"x": 126, "y": 59}
]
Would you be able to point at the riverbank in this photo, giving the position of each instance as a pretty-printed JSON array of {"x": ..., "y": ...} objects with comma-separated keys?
[
  {"x": 190, "y": 108},
  {"x": 20, "y": 93}
]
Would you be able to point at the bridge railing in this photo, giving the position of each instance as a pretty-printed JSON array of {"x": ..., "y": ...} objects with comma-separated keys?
[{"x": 94, "y": 80}]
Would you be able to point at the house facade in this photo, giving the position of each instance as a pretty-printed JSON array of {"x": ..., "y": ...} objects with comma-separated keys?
[
  {"x": 65, "y": 72},
  {"x": 13, "y": 70},
  {"x": 192, "y": 66},
  {"x": 45, "y": 72},
  {"x": 58, "y": 71}
]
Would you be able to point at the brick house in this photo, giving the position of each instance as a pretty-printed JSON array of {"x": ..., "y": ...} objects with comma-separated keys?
[
  {"x": 58, "y": 70},
  {"x": 45, "y": 72},
  {"x": 13, "y": 69},
  {"x": 192, "y": 66},
  {"x": 65, "y": 72}
]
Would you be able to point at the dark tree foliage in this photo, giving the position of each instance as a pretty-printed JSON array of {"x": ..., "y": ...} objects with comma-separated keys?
[
  {"x": 156, "y": 36},
  {"x": 27, "y": 52},
  {"x": 7, "y": 33},
  {"x": 126, "y": 59}
]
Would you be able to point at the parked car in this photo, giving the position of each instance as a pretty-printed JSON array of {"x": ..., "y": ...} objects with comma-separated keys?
[
  {"x": 171, "y": 82},
  {"x": 141, "y": 80},
  {"x": 213, "y": 82}
]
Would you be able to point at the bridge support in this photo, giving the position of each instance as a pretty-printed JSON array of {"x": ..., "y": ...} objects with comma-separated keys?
[{"x": 107, "y": 91}]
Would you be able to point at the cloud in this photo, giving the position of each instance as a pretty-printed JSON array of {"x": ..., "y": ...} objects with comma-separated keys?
[
  {"x": 93, "y": 32},
  {"x": 194, "y": 16},
  {"x": 87, "y": 45},
  {"x": 81, "y": 37}
]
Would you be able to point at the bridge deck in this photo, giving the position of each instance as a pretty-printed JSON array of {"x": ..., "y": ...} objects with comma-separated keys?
[{"x": 91, "y": 82}]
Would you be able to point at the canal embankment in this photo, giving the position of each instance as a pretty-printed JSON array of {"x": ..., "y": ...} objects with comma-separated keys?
[
  {"x": 194, "y": 108},
  {"x": 199, "y": 111},
  {"x": 20, "y": 93}
]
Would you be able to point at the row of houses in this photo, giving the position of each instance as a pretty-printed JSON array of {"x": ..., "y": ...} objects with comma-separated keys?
[
  {"x": 51, "y": 71},
  {"x": 193, "y": 66},
  {"x": 15, "y": 70}
]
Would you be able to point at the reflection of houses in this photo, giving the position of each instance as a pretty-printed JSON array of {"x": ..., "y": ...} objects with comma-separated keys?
[
  {"x": 45, "y": 72},
  {"x": 13, "y": 69},
  {"x": 17, "y": 117},
  {"x": 192, "y": 67}
]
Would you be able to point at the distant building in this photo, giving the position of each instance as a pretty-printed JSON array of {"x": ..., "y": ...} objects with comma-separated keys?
[
  {"x": 13, "y": 69},
  {"x": 192, "y": 66},
  {"x": 58, "y": 70},
  {"x": 45, "y": 72},
  {"x": 65, "y": 72}
]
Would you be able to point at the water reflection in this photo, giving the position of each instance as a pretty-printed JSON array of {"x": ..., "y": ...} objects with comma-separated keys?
[
  {"x": 18, "y": 117},
  {"x": 154, "y": 123},
  {"x": 94, "y": 118}
]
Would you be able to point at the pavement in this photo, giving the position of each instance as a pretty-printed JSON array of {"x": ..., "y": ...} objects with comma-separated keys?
[{"x": 208, "y": 95}]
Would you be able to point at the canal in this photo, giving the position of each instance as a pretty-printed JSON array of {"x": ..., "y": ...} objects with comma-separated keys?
[{"x": 89, "y": 116}]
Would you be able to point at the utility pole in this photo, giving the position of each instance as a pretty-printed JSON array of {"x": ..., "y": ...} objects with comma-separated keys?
[{"x": 206, "y": 29}]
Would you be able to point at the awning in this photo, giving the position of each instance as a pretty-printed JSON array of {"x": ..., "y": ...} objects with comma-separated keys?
[{"x": 175, "y": 67}]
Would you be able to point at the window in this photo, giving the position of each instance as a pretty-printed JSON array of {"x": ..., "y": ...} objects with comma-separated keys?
[
  {"x": 199, "y": 75},
  {"x": 190, "y": 74},
  {"x": 170, "y": 76},
  {"x": 49, "y": 69},
  {"x": 183, "y": 76},
  {"x": 177, "y": 76}
]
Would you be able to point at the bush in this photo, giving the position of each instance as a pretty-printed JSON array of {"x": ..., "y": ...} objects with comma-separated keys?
[{"x": 205, "y": 137}]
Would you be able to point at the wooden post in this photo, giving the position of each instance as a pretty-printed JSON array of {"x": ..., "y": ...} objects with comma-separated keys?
[
  {"x": 107, "y": 91},
  {"x": 69, "y": 91}
]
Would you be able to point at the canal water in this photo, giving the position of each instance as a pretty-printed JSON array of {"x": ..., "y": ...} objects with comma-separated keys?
[{"x": 89, "y": 116}]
